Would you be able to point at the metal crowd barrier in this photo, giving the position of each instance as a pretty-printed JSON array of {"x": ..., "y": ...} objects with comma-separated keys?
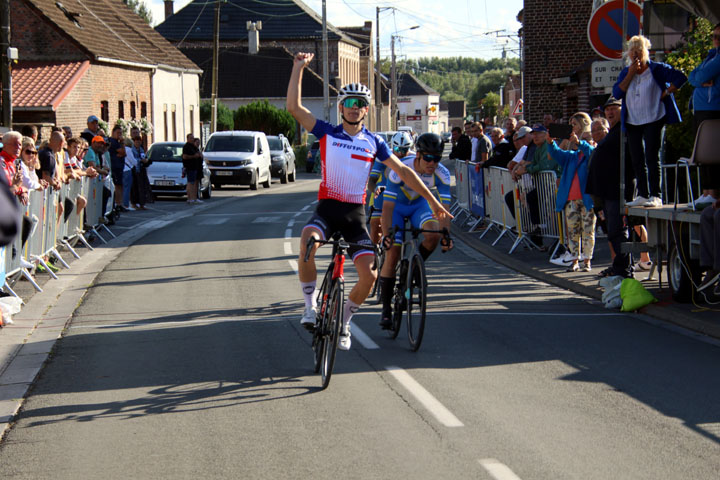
[
  {"x": 49, "y": 230},
  {"x": 462, "y": 190},
  {"x": 539, "y": 189}
]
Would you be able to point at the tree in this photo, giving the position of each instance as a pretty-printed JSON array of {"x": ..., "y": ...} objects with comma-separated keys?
[
  {"x": 263, "y": 117},
  {"x": 680, "y": 136},
  {"x": 141, "y": 8},
  {"x": 224, "y": 115},
  {"x": 490, "y": 104}
]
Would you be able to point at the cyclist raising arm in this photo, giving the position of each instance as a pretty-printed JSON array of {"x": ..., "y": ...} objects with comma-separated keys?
[
  {"x": 403, "y": 202},
  {"x": 347, "y": 153}
]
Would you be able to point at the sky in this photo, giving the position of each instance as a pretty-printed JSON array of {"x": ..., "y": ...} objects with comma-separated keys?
[{"x": 464, "y": 28}]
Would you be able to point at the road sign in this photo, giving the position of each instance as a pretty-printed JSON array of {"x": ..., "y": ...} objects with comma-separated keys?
[
  {"x": 605, "y": 28},
  {"x": 518, "y": 110},
  {"x": 605, "y": 73}
]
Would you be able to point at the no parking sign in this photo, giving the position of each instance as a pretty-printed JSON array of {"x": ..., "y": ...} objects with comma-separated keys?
[{"x": 605, "y": 28}]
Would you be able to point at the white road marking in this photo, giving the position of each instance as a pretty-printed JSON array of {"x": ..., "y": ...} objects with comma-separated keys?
[
  {"x": 267, "y": 219},
  {"x": 497, "y": 470},
  {"x": 288, "y": 234},
  {"x": 291, "y": 223},
  {"x": 363, "y": 338},
  {"x": 432, "y": 404},
  {"x": 288, "y": 248},
  {"x": 306, "y": 207},
  {"x": 298, "y": 214},
  {"x": 214, "y": 221},
  {"x": 293, "y": 265}
]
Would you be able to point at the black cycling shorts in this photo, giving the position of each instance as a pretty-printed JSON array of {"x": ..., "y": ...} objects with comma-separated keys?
[{"x": 347, "y": 218}]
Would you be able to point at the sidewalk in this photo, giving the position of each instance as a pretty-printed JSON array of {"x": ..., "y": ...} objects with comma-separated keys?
[{"x": 701, "y": 318}]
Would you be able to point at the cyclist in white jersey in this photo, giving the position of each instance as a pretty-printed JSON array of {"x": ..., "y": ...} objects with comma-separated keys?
[{"x": 347, "y": 153}]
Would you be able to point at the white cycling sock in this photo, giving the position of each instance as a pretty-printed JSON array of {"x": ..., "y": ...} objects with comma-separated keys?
[
  {"x": 308, "y": 289},
  {"x": 350, "y": 309}
]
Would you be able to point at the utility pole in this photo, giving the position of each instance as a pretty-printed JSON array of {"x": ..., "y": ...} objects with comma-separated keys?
[
  {"x": 326, "y": 64},
  {"x": 5, "y": 77},
  {"x": 216, "y": 61},
  {"x": 378, "y": 85},
  {"x": 393, "y": 76}
]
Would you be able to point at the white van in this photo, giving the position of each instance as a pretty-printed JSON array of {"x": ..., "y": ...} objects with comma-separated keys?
[{"x": 238, "y": 158}]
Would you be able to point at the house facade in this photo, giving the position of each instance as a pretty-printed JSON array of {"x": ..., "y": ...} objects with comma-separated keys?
[
  {"x": 76, "y": 61},
  {"x": 418, "y": 105}
]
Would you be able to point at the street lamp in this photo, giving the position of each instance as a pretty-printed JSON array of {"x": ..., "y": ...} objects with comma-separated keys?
[{"x": 393, "y": 75}]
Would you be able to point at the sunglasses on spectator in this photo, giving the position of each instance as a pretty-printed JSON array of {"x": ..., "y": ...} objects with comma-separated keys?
[
  {"x": 31, "y": 152},
  {"x": 354, "y": 102},
  {"x": 431, "y": 158}
]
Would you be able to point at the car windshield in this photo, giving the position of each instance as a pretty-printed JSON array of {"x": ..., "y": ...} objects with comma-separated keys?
[
  {"x": 230, "y": 143},
  {"x": 275, "y": 143},
  {"x": 166, "y": 153}
]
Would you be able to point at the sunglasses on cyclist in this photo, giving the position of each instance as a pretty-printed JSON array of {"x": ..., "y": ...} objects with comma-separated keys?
[
  {"x": 401, "y": 149},
  {"x": 354, "y": 102},
  {"x": 431, "y": 158}
]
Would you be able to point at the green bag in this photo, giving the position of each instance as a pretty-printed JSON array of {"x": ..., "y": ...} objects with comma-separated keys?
[{"x": 634, "y": 295}]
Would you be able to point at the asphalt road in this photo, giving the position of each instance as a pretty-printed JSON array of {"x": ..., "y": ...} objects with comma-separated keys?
[{"x": 186, "y": 360}]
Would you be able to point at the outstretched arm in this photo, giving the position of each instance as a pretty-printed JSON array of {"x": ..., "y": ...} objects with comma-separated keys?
[
  {"x": 294, "y": 92},
  {"x": 411, "y": 179}
]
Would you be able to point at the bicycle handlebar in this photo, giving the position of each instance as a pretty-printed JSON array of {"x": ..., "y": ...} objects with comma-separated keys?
[
  {"x": 342, "y": 244},
  {"x": 446, "y": 241}
]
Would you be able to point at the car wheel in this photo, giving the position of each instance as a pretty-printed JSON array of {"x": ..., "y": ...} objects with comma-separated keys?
[
  {"x": 284, "y": 176},
  {"x": 255, "y": 181},
  {"x": 207, "y": 193},
  {"x": 217, "y": 186},
  {"x": 266, "y": 183},
  {"x": 291, "y": 176}
]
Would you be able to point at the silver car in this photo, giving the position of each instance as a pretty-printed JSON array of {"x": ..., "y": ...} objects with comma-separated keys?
[{"x": 166, "y": 171}]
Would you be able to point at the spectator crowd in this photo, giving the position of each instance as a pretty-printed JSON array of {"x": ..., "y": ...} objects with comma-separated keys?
[{"x": 585, "y": 155}]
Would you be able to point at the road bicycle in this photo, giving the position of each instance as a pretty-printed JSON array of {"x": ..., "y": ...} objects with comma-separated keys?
[
  {"x": 410, "y": 295},
  {"x": 331, "y": 300}
]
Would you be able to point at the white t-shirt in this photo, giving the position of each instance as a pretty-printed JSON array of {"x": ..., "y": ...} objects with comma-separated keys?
[
  {"x": 642, "y": 100},
  {"x": 474, "y": 142},
  {"x": 519, "y": 155},
  {"x": 130, "y": 160}
]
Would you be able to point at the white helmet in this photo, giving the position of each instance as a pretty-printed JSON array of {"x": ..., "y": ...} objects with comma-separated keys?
[
  {"x": 401, "y": 140},
  {"x": 355, "y": 90}
]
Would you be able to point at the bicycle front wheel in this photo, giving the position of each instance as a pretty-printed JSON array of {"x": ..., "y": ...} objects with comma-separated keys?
[
  {"x": 416, "y": 295},
  {"x": 318, "y": 342},
  {"x": 376, "y": 287},
  {"x": 334, "y": 317}
]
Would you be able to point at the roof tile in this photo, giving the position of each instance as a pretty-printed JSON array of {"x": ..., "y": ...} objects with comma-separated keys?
[{"x": 42, "y": 84}]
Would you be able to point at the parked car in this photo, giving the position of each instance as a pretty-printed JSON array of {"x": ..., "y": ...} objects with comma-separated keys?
[
  {"x": 166, "y": 171},
  {"x": 238, "y": 158},
  {"x": 282, "y": 158},
  {"x": 446, "y": 137}
]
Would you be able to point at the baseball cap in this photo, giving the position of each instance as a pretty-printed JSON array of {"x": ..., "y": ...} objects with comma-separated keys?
[
  {"x": 93, "y": 118},
  {"x": 98, "y": 138},
  {"x": 538, "y": 127},
  {"x": 522, "y": 131},
  {"x": 612, "y": 101}
]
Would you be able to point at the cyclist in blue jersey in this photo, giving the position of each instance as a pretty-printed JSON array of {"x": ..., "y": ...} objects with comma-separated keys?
[
  {"x": 400, "y": 143},
  {"x": 402, "y": 201},
  {"x": 347, "y": 153}
]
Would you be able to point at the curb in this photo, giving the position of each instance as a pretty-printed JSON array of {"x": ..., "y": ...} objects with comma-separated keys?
[{"x": 658, "y": 312}]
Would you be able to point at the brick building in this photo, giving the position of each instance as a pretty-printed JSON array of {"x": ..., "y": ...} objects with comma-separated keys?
[
  {"x": 557, "y": 73},
  {"x": 104, "y": 60}
]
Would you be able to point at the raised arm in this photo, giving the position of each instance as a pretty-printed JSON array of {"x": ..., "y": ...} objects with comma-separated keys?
[{"x": 294, "y": 92}]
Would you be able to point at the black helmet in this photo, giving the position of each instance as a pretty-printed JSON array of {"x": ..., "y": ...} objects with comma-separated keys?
[{"x": 430, "y": 143}]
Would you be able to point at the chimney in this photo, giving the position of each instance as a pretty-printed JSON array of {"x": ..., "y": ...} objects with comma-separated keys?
[
  {"x": 253, "y": 29},
  {"x": 169, "y": 8}
]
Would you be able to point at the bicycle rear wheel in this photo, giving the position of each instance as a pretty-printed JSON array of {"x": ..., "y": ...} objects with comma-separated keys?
[
  {"x": 399, "y": 301},
  {"x": 376, "y": 286},
  {"x": 331, "y": 333},
  {"x": 416, "y": 294}
]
